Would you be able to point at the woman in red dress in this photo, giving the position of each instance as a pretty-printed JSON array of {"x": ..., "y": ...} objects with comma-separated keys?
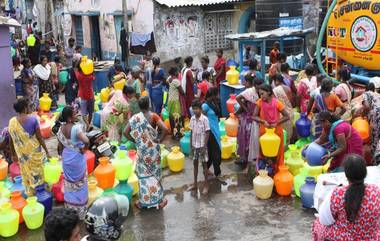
[{"x": 220, "y": 68}]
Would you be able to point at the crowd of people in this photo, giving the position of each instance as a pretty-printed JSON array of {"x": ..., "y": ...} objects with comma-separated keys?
[{"x": 190, "y": 94}]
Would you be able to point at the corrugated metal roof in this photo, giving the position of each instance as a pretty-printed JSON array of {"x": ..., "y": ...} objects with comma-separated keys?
[{"x": 182, "y": 3}]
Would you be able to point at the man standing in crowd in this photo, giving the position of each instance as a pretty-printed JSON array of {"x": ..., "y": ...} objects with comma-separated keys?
[{"x": 69, "y": 53}]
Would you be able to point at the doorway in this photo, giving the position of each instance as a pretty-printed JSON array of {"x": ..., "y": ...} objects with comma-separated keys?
[
  {"x": 95, "y": 37},
  {"x": 118, "y": 22},
  {"x": 78, "y": 30}
]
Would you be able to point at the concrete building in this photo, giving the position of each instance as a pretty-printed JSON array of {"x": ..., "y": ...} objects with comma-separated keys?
[
  {"x": 46, "y": 14},
  {"x": 198, "y": 27},
  {"x": 96, "y": 24},
  {"x": 180, "y": 29}
]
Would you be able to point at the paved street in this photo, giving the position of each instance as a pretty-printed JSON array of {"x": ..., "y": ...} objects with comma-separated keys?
[{"x": 228, "y": 212}]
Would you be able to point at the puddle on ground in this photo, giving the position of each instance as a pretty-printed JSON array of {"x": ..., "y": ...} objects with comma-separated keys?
[{"x": 228, "y": 183}]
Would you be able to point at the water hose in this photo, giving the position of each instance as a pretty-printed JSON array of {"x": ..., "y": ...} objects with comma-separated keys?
[{"x": 322, "y": 32}]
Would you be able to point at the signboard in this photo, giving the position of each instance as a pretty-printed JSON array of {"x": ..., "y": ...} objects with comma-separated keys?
[
  {"x": 291, "y": 22},
  {"x": 352, "y": 33}
]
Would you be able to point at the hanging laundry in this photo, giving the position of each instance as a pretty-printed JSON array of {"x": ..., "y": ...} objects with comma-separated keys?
[
  {"x": 123, "y": 42},
  {"x": 140, "y": 38},
  {"x": 140, "y": 49}
]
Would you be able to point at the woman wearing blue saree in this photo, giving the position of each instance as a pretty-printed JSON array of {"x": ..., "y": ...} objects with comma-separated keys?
[
  {"x": 141, "y": 129},
  {"x": 211, "y": 108},
  {"x": 72, "y": 139},
  {"x": 156, "y": 85}
]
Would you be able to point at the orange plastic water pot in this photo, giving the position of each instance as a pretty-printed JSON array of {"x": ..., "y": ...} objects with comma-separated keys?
[{"x": 283, "y": 181}]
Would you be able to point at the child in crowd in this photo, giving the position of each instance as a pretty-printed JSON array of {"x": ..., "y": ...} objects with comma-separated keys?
[
  {"x": 200, "y": 130},
  {"x": 205, "y": 61},
  {"x": 86, "y": 94},
  {"x": 56, "y": 68},
  {"x": 78, "y": 53},
  {"x": 275, "y": 68},
  {"x": 119, "y": 74},
  {"x": 112, "y": 71},
  {"x": 288, "y": 80},
  {"x": 137, "y": 81},
  {"x": 274, "y": 52},
  {"x": 174, "y": 105},
  {"x": 6, "y": 149},
  {"x": 62, "y": 224},
  {"x": 204, "y": 86},
  {"x": 132, "y": 99}
]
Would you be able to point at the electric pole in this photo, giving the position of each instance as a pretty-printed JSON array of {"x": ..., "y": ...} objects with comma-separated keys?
[{"x": 126, "y": 26}]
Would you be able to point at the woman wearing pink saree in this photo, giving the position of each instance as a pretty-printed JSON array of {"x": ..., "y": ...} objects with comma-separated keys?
[{"x": 248, "y": 133}]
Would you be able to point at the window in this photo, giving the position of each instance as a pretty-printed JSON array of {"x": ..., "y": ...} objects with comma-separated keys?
[{"x": 217, "y": 26}]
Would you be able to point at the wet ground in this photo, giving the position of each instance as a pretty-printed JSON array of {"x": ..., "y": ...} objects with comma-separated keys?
[{"x": 229, "y": 212}]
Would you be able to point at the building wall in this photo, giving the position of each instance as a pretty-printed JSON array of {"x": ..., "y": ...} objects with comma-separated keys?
[
  {"x": 106, "y": 6},
  {"x": 178, "y": 32},
  {"x": 176, "y": 38},
  {"x": 310, "y": 20}
]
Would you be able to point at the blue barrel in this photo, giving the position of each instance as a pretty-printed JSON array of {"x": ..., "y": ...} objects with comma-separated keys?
[{"x": 96, "y": 121}]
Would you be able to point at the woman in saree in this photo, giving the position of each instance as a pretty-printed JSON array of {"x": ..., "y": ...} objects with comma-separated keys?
[
  {"x": 211, "y": 108},
  {"x": 371, "y": 109},
  {"x": 187, "y": 84},
  {"x": 141, "y": 129},
  {"x": 248, "y": 133},
  {"x": 116, "y": 113},
  {"x": 343, "y": 138},
  {"x": 174, "y": 105},
  {"x": 72, "y": 139},
  {"x": 268, "y": 113},
  {"x": 71, "y": 86},
  {"x": 220, "y": 68},
  {"x": 26, "y": 139},
  {"x": 43, "y": 72},
  {"x": 156, "y": 89},
  {"x": 284, "y": 94},
  {"x": 346, "y": 92},
  {"x": 325, "y": 100},
  {"x": 30, "y": 85},
  {"x": 305, "y": 87}
]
